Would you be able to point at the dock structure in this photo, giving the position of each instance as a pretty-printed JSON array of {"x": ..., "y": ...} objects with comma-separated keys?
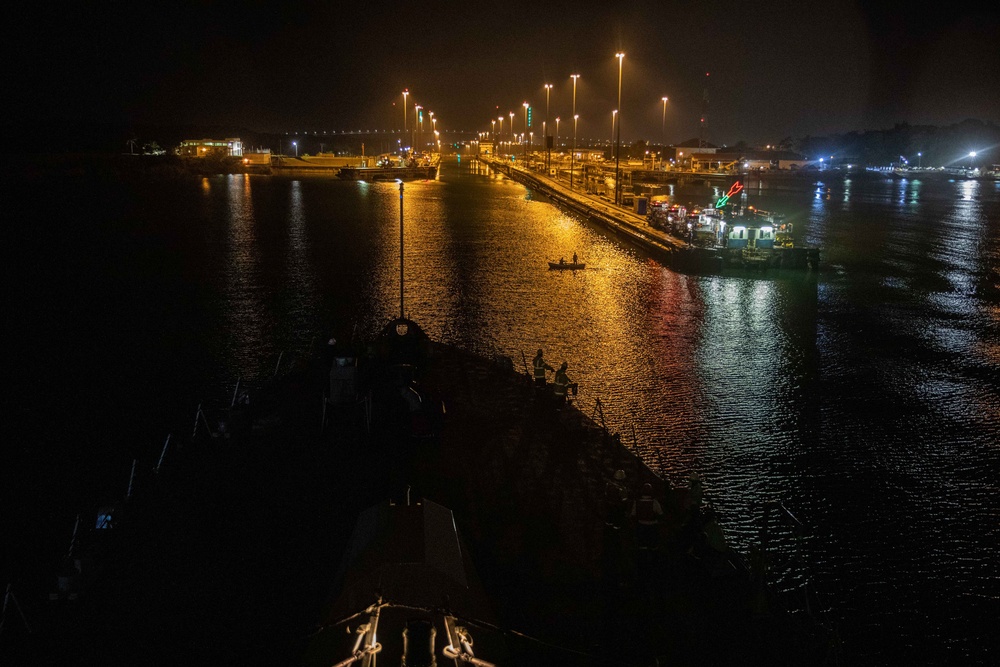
[
  {"x": 631, "y": 227},
  {"x": 357, "y": 168}
]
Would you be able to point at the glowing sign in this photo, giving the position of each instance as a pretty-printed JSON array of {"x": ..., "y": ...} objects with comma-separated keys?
[{"x": 736, "y": 187}]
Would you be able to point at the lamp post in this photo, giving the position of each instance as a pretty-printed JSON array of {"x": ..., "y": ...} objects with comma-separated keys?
[
  {"x": 972, "y": 154},
  {"x": 572, "y": 156},
  {"x": 618, "y": 140},
  {"x": 613, "y": 115},
  {"x": 920, "y": 161},
  {"x": 500, "y": 118},
  {"x": 296, "y": 145},
  {"x": 416, "y": 133},
  {"x": 511, "y": 114},
  {"x": 663, "y": 127},
  {"x": 406, "y": 91},
  {"x": 525, "y": 105},
  {"x": 493, "y": 135},
  {"x": 576, "y": 117},
  {"x": 545, "y": 129},
  {"x": 557, "y": 130}
]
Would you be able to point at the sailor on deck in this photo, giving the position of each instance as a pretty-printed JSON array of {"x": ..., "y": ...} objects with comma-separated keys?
[
  {"x": 616, "y": 499},
  {"x": 540, "y": 367},
  {"x": 647, "y": 512},
  {"x": 561, "y": 384}
]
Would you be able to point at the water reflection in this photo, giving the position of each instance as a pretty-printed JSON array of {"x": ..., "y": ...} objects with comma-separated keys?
[
  {"x": 303, "y": 302},
  {"x": 864, "y": 397},
  {"x": 246, "y": 307}
]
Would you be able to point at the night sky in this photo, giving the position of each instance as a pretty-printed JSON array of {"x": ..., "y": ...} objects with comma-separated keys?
[{"x": 778, "y": 69}]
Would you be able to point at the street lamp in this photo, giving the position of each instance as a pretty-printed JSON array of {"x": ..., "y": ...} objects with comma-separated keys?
[
  {"x": 525, "y": 105},
  {"x": 406, "y": 91},
  {"x": 613, "y": 114},
  {"x": 500, "y": 118},
  {"x": 545, "y": 128},
  {"x": 663, "y": 128},
  {"x": 572, "y": 156},
  {"x": 296, "y": 145},
  {"x": 416, "y": 132},
  {"x": 576, "y": 117},
  {"x": 511, "y": 114},
  {"x": 618, "y": 187},
  {"x": 494, "y": 134},
  {"x": 972, "y": 154},
  {"x": 920, "y": 161},
  {"x": 557, "y": 130}
]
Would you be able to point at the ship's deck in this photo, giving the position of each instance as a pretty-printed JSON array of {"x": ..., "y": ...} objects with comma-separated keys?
[{"x": 229, "y": 554}]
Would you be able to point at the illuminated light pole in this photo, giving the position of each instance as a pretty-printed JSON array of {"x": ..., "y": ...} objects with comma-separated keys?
[
  {"x": 545, "y": 129},
  {"x": 557, "y": 130},
  {"x": 406, "y": 91},
  {"x": 613, "y": 115},
  {"x": 500, "y": 118},
  {"x": 663, "y": 127},
  {"x": 512, "y": 139},
  {"x": 972, "y": 154},
  {"x": 494, "y": 133},
  {"x": 525, "y": 105},
  {"x": 576, "y": 117},
  {"x": 572, "y": 156},
  {"x": 920, "y": 161},
  {"x": 416, "y": 117},
  {"x": 296, "y": 145},
  {"x": 618, "y": 141}
]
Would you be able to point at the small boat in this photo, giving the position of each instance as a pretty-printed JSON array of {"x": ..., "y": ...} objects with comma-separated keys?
[{"x": 573, "y": 266}]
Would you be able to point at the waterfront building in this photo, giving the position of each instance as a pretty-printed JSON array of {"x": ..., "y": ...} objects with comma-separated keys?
[
  {"x": 730, "y": 160},
  {"x": 210, "y": 147}
]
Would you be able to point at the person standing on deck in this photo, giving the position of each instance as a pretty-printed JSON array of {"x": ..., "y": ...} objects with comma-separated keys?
[
  {"x": 561, "y": 384},
  {"x": 647, "y": 512},
  {"x": 540, "y": 367},
  {"x": 616, "y": 500}
]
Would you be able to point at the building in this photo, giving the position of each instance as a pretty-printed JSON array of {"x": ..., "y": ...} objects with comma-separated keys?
[
  {"x": 210, "y": 147},
  {"x": 258, "y": 159},
  {"x": 681, "y": 153}
]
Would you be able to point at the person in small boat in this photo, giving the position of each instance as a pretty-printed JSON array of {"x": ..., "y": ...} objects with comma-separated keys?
[
  {"x": 562, "y": 260},
  {"x": 562, "y": 384},
  {"x": 574, "y": 258},
  {"x": 538, "y": 363}
]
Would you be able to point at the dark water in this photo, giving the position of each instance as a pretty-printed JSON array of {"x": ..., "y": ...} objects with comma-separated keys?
[{"x": 863, "y": 397}]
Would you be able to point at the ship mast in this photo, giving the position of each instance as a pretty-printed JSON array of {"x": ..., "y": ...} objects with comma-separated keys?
[{"x": 401, "y": 316}]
